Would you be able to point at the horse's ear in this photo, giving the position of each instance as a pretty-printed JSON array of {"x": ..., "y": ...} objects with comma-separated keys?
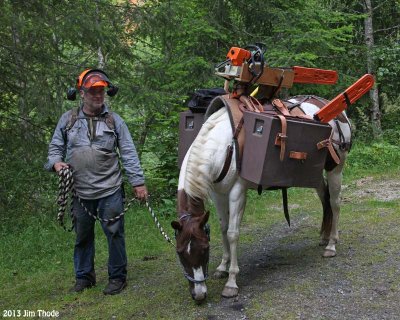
[
  {"x": 204, "y": 219},
  {"x": 176, "y": 225}
]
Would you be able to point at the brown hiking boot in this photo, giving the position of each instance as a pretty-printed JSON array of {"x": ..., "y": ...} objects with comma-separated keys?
[
  {"x": 115, "y": 286},
  {"x": 82, "y": 284}
]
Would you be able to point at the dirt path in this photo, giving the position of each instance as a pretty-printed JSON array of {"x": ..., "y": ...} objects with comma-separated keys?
[{"x": 283, "y": 276}]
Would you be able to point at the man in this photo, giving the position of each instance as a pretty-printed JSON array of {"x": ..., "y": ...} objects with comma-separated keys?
[{"x": 87, "y": 142}]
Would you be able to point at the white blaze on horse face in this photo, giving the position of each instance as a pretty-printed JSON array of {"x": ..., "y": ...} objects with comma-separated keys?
[
  {"x": 198, "y": 274},
  {"x": 199, "y": 288},
  {"x": 188, "y": 247}
]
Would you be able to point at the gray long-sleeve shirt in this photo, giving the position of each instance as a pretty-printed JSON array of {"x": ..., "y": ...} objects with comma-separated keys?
[{"x": 93, "y": 155}]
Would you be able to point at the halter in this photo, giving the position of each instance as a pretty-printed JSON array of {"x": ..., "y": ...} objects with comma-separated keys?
[
  {"x": 193, "y": 280},
  {"x": 207, "y": 229}
]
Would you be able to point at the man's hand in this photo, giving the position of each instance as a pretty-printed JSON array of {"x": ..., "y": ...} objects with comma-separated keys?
[
  {"x": 140, "y": 192},
  {"x": 59, "y": 165}
]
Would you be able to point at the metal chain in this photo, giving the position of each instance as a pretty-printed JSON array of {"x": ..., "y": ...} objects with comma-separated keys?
[{"x": 66, "y": 187}]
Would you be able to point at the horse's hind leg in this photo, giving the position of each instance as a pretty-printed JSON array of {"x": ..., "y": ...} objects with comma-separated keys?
[
  {"x": 221, "y": 203},
  {"x": 330, "y": 198},
  {"x": 237, "y": 202},
  {"x": 323, "y": 193}
]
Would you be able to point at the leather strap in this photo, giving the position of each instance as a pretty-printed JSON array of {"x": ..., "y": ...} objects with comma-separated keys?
[
  {"x": 227, "y": 163},
  {"x": 298, "y": 155},
  {"x": 299, "y": 113},
  {"x": 238, "y": 128},
  {"x": 328, "y": 144},
  {"x": 251, "y": 103},
  {"x": 281, "y": 137},
  {"x": 281, "y": 107},
  {"x": 229, "y": 152}
]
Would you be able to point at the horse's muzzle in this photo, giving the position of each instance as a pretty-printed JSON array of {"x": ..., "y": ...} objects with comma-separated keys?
[
  {"x": 198, "y": 292},
  {"x": 199, "y": 298}
]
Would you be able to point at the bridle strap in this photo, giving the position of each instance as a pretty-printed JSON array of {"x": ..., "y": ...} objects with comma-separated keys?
[
  {"x": 185, "y": 216},
  {"x": 191, "y": 279}
]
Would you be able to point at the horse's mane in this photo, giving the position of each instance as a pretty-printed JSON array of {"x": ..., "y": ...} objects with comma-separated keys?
[{"x": 201, "y": 168}]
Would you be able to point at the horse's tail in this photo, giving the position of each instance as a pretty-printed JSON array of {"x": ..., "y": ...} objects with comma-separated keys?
[{"x": 327, "y": 217}]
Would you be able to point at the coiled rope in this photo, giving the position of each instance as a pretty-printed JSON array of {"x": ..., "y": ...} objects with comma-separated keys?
[{"x": 66, "y": 188}]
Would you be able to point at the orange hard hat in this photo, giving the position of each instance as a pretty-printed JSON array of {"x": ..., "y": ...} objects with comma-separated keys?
[{"x": 92, "y": 78}]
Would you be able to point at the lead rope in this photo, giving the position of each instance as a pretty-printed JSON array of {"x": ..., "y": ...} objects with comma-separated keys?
[{"x": 66, "y": 188}]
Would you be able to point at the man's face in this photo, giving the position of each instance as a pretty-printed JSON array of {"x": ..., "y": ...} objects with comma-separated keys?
[{"x": 94, "y": 98}]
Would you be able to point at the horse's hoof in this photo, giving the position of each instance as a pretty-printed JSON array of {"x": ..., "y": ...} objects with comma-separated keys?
[
  {"x": 220, "y": 274},
  {"x": 230, "y": 292},
  {"x": 328, "y": 253}
]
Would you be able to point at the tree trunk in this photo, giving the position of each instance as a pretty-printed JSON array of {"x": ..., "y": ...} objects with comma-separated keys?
[
  {"x": 369, "y": 41},
  {"x": 20, "y": 83},
  {"x": 143, "y": 135},
  {"x": 101, "y": 59}
]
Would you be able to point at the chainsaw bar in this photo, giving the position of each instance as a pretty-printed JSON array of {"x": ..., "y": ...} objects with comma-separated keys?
[
  {"x": 346, "y": 98},
  {"x": 313, "y": 75}
]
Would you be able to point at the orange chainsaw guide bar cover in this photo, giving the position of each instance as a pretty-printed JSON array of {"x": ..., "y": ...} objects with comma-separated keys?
[
  {"x": 313, "y": 75},
  {"x": 343, "y": 100}
]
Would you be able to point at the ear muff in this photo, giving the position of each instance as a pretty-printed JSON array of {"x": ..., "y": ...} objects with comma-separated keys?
[
  {"x": 71, "y": 94},
  {"x": 112, "y": 91}
]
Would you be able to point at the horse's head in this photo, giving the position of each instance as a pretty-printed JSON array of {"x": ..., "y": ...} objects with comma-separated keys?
[{"x": 192, "y": 245}]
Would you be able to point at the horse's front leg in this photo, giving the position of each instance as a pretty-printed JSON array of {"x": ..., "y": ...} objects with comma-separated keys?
[
  {"x": 237, "y": 202},
  {"x": 221, "y": 202}
]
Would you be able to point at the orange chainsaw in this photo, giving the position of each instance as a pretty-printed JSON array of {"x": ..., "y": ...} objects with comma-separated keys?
[{"x": 244, "y": 65}]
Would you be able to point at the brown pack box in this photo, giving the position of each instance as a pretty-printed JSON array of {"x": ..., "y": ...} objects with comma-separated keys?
[
  {"x": 189, "y": 126},
  {"x": 261, "y": 162}
]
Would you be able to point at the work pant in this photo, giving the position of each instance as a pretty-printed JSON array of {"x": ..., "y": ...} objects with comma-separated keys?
[{"x": 106, "y": 208}]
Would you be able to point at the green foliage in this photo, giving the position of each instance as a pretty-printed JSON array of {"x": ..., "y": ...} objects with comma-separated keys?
[
  {"x": 391, "y": 120},
  {"x": 375, "y": 157},
  {"x": 388, "y": 69}
]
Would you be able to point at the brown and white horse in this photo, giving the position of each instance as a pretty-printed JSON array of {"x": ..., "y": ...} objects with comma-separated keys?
[{"x": 200, "y": 168}]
